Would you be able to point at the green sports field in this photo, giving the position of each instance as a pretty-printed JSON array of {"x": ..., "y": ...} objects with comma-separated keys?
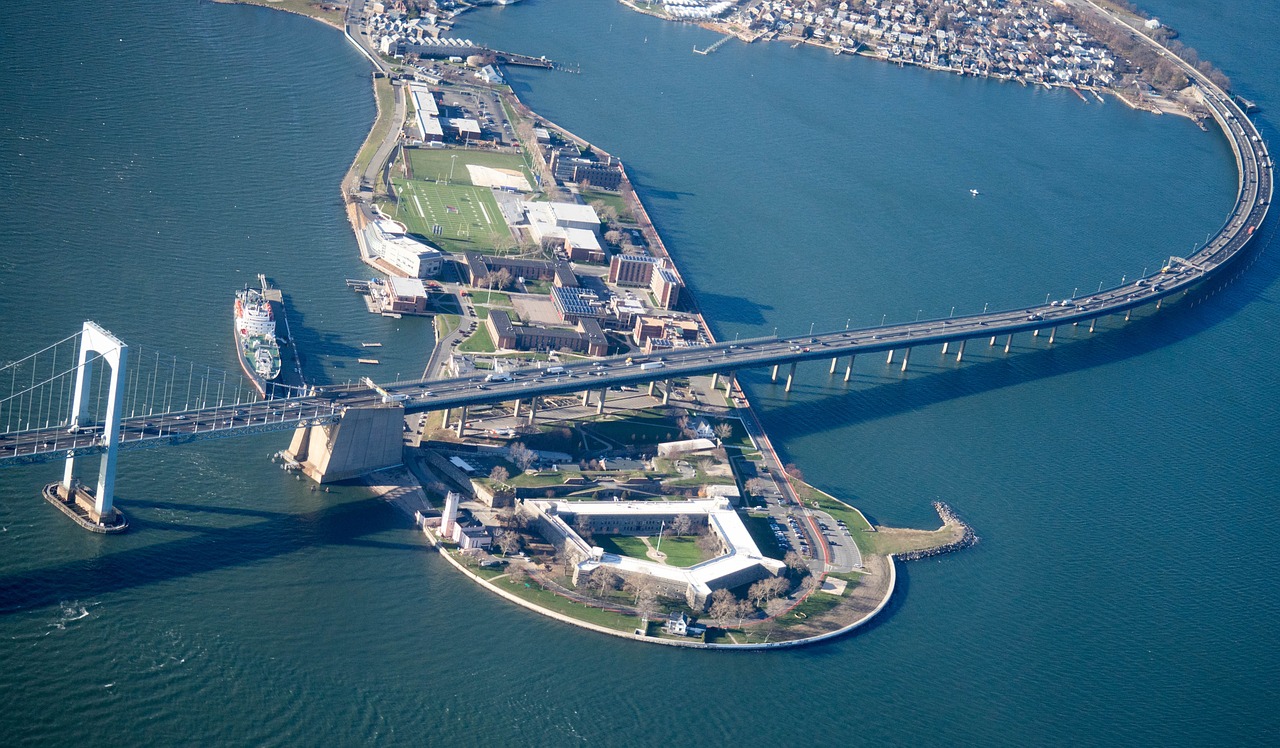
[
  {"x": 468, "y": 216},
  {"x": 432, "y": 164}
]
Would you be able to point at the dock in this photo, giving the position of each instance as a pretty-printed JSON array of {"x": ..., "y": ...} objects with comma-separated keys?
[
  {"x": 717, "y": 45},
  {"x": 290, "y": 368}
]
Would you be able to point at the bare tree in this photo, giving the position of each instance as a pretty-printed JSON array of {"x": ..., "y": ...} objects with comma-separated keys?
[
  {"x": 681, "y": 525},
  {"x": 767, "y": 589},
  {"x": 613, "y": 237},
  {"x": 647, "y": 600},
  {"x": 522, "y": 456},
  {"x": 604, "y": 580},
  {"x": 796, "y": 563},
  {"x": 759, "y": 486},
  {"x": 793, "y": 471},
  {"x": 499, "y": 474},
  {"x": 724, "y": 607},
  {"x": 709, "y": 542},
  {"x": 724, "y": 430},
  {"x": 582, "y": 526},
  {"x": 508, "y": 541}
]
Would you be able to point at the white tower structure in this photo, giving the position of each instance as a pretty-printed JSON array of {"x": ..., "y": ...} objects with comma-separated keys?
[
  {"x": 449, "y": 515},
  {"x": 115, "y": 353}
]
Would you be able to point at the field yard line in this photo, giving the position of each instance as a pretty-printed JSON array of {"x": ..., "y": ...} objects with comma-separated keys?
[
  {"x": 419, "y": 204},
  {"x": 482, "y": 210}
]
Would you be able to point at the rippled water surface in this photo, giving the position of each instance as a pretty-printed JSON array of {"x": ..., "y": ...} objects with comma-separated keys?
[{"x": 157, "y": 155}]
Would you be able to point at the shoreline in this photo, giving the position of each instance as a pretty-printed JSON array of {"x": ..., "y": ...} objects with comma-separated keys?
[{"x": 734, "y": 395}]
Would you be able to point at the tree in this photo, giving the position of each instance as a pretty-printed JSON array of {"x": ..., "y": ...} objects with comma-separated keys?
[
  {"x": 582, "y": 526},
  {"x": 724, "y": 607},
  {"x": 647, "y": 600},
  {"x": 499, "y": 474},
  {"x": 793, "y": 471},
  {"x": 506, "y": 516},
  {"x": 614, "y": 237},
  {"x": 759, "y": 486},
  {"x": 724, "y": 430},
  {"x": 796, "y": 563},
  {"x": 522, "y": 456},
  {"x": 767, "y": 589},
  {"x": 709, "y": 542},
  {"x": 508, "y": 541},
  {"x": 681, "y": 525},
  {"x": 605, "y": 579}
]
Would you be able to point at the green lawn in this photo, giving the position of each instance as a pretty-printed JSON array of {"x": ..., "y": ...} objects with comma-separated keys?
[
  {"x": 608, "y": 198},
  {"x": 468, "y": 216},
  {"x": 482, "y": 312},
  {"x": 551, "y": 601},
  {"x": 491, "y": 298},
  {"x": 433, "y": 164},
  {"x": 479, "y": 342},
  {"x": 683, "y": 551}
]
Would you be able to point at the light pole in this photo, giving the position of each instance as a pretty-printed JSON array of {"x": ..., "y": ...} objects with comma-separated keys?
[
  {"x": 984, "y": 307},
  {"x": 453, "y": 160},
  {"x": 882, "y": 318},
  {"x": 811, "y": 324},
  {"x": 918, "y": 313},
  {"x": 1046, "y": 298},
  {"x": 953, "y": 313},
  {"x": 846, "y": 322}
]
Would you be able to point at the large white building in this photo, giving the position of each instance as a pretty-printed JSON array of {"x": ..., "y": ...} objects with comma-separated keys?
[
  {"x": 556, "y": 220},
  {"x": 740, "y": 561},
  {"x": 387, "y": 240}
]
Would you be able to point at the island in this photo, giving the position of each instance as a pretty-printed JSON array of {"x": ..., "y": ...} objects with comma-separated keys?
[{"x": 665, "y": 516}]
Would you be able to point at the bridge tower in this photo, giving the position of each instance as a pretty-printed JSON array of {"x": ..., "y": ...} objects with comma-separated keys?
[{"x": 113, "y": 351}]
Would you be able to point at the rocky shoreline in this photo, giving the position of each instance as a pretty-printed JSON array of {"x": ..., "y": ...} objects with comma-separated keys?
[{"x": 949, "y": 517}]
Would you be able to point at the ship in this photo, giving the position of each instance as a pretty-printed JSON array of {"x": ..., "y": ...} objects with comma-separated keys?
[{"x": 256, "y": 342}]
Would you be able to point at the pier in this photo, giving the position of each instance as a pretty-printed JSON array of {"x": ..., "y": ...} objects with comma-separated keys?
[{"x": 717, "y": 45}]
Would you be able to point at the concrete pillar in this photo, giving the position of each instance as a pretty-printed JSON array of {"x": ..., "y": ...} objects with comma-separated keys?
[
  {"x": 1092, "y": 322},
  {"x": 1053, "y": 332},
  {"x": 1008, "y": 343},
  {"x": 889, "y": 360},
  {"x": 1159, "y": 302},
  {"x": 1127, "y": 312},
  {"x": 728, "y": 384},
  {"x": 834, "y": 361},
  {"x": 906, "y": 356},
  {"x": 666, "y": 392},
  {"x": 848, "y": 371},
  {"x": 960, "y": 352},
  {"x": 945, "y": 346},
  {"x": 533, "y": 409},
  {"x": 1035, "y": 333},
  {"x": 444, "y": 422},
  {"x": 600, "y": 405},
  {"x": 365, "y": 440},
  {"x": 992, "y": 343},
  {"x": 790, "y": 377},
  {"x": 715, "y": 380},
  {"x": 586, "y": 398},
  {"x": 516, "y": 414},
  {"x": 651, "y": 385},
  {"x": 774, "y": 376},
  {"x": 462, "y": 421}
]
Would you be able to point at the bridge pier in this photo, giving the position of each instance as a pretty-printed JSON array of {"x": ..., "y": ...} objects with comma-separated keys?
[
  {"x": 960, "y": 352},
  {"x": 1159, "y": 302},
  {"x": 945, "y": 346},
  {"x": 533, "y": 409},
  {"x": 516, "y": 414},
  {"x": 906, "y": 356},
  {"x": 1008, "y": 343},
  {"x": 586, "y": 398},
  {"x": 1127, "y": 312},
  {"x": 96, "y": 340},
  {"x": 1091, "y": 324},
  {"x": 600, "y": 405},
  {"x": 889, "y": 360},
  {"x": 651, "y": 386},
  {"x": 728, "y": 384},
  {"x": 774, "y": 377},
  {"x": 444, "y": 422},
  {"x": 715, "y": 380},
  {"x": 365, "y": 440},
  {"x": 1053, "y": 331},
  {"x": 834, "y": 361},
  {"x": 848, "y": 370},
  {"x": 790, "y": 378},
  {"x": 666, "y": 392},
  {"x": 992, "y": 343},
  {"x": 462, "y": 421},
  {"x": 1035, "y": 333}
]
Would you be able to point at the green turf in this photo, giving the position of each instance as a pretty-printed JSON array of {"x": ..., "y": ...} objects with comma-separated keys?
[
  {"x": 468, "y": 216},
  {"x": 682, "y": 551},
  {"x": 491, "y": 298},
  {"x": 432, "y": 164},
  {"x": 551, "y": 601}
]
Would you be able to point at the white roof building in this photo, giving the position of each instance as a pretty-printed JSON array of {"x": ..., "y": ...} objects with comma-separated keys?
[
  {"x": 740, "y": 563},
  {"x": 386, "y": 239}
]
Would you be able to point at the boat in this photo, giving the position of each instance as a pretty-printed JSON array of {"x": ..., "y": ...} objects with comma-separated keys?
[{"x": 256, "y": 342}]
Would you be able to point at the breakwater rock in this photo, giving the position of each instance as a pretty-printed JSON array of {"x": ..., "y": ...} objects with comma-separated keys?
[{"x": 949, "y": 518}]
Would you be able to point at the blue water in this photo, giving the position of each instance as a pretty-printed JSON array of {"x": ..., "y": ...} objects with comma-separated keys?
[{"x": 161, "y": 154}]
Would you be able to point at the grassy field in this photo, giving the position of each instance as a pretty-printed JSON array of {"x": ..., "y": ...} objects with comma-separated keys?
[
  {"x": 479, "y": 342},
  {"x": 434, "y": 164},
  {"x": 551, "y": 601},
  {"x": 683, "y": 551},
  {"x": 491, "y": 298},
  {"x": 468, "y": 216}
]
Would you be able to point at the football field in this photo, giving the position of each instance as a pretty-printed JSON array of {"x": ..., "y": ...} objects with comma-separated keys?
[{"x": 468, "y": 216}]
